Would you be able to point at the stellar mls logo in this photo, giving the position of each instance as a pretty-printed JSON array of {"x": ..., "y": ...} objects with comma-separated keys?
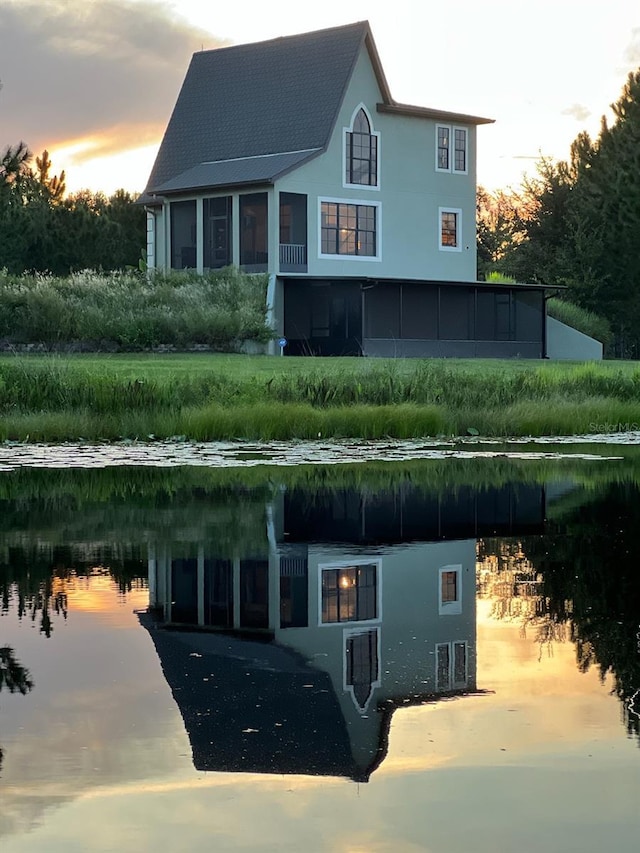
[{"x": 617, "y": 427}]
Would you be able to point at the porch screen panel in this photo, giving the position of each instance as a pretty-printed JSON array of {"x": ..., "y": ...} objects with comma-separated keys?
[
  {"x": 529, "y": 313},
  {"x": 485, "y": 316},
  {"x": 455, "y": 313},
  {"x": 382, "y": 311},
  {"x": 253, "y": 230},
  {"x": 297, "y": 310},
  {"x": 254, "y": 593},
  {"x": 216, "y": 224},
  {"x": 420, "y": 312},
  {"x": 183, "y": 234}
]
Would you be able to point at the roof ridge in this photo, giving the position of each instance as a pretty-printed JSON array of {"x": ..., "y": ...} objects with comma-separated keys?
[{"x": 279, "y": 39}]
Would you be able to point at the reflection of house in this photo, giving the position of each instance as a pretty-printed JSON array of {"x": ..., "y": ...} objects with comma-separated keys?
[
  {"x": 364, "y": 618},
  {"x": 290, "y": 157}
]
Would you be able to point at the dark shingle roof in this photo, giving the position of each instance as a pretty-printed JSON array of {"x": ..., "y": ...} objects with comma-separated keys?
[
  {"x": 255, "y": 99},
  {"x": 280, "y": 96}
]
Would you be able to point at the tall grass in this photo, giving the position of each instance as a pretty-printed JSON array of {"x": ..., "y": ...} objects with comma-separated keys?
[
  {"x": 132, "y": 311},
  {"x": 57, "y": 398}
]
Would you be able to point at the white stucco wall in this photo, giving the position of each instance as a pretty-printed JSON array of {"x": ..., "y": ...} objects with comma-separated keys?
[{"x": 566, "y": 343}]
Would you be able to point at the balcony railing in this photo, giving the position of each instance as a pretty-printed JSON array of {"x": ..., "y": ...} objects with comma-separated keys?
[{"x": 293, "y": 255}]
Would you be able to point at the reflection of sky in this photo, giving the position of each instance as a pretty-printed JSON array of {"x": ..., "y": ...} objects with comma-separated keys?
[{"x": 96, "y": 758}]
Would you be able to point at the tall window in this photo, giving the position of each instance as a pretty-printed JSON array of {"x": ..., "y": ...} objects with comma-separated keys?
[
  {"x": 362, "y": 669},
  {"x": 451, "y": 666},
  {"x": 361, "y": 154},
  {"x": 450, "y": 239},
  {"x": 348, "y": 229},
  {"x": 451, "y": 149}
]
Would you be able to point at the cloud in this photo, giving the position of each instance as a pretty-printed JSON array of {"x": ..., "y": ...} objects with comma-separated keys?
[
  {"x": 104, "y": 70},
  {"x": 632, "y": 53},
  {"x": 577, "y": 111}
]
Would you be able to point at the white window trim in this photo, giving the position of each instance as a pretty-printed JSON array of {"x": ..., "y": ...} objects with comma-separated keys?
[
  {"x": 366, "y": 203},
  {"x": 453, "y": 685},
  {"x": 345, "y": 564},
  {"x": 348, "y": 688},
  {"x": 450, "y": 608},
  {"x": 376, "y": 133},
  {"x": 458, "y": 212},
  {"x": 452, "y": 149}
]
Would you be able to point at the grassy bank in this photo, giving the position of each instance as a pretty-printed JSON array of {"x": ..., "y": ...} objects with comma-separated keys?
[{"x": 207, "y": 397}]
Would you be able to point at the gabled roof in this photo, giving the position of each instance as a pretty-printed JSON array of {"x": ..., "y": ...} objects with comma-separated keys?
[
  {"x": 244, "y": 103},
  {"x": 255, "y": 99}
]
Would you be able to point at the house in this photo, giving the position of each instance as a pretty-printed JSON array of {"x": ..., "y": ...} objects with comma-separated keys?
[{"x": 290, "y": 157}]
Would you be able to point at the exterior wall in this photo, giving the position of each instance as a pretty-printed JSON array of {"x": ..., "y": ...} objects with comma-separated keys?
[
  {"x": 566, "y": 343},
  {"x": 410, "y": 626},
  {"x": 377, "y": 347},
  {"x": 410, "y": 194}
]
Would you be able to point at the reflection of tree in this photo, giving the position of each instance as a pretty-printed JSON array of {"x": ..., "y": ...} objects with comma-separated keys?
[
  {"x": 13, "y": 676},
  {"x": 34, "y": 578},
  {"x": 587, "y": 582}
]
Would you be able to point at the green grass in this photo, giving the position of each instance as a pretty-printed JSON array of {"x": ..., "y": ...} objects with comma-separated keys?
[{"x": 205, "y": 397}]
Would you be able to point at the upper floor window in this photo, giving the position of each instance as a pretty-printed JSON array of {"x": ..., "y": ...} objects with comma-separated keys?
[
  {"x": 361, "y": 152},
  {"x": 451, "y": 149}
]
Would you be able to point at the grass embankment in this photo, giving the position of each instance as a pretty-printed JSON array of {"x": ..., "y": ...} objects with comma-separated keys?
[{"x": 210, "y": 397}]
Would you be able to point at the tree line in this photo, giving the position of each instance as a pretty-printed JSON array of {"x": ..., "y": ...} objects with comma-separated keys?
[
  {"x": 576, "y": 223},
  {"x": 44, "y": 230}
]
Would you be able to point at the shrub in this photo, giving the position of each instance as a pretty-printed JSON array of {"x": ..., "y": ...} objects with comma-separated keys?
[{"x": 134, "y": 310}]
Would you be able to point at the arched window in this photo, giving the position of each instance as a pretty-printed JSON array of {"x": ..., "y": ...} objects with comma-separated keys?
[{"x": 361, "y": 152}]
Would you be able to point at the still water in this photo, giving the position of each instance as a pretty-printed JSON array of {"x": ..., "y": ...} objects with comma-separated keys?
[{"x": 437, "y": 655}]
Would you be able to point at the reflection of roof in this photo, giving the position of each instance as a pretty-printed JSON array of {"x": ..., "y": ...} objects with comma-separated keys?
[{"x": 253, "y": 707}]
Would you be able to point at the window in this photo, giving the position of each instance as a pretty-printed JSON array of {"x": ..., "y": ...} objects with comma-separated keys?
[
  {"x": 348, "y": 229},
  {"x": 350, "y": 593},
  {"x": 449, "y": 591},
  {"x": 451, "y": 149},
  {"x": 450, "y": 239},
  {"x": 361, "y": 665},
  {"x": 361, "y": 152},
  {"x": 451, "y": 666}
]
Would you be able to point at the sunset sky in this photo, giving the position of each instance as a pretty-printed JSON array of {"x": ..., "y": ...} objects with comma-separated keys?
[{"x": 95, "y": 81}]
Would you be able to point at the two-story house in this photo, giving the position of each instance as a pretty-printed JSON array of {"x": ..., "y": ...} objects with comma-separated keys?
[{"x": 290, "y": 157}]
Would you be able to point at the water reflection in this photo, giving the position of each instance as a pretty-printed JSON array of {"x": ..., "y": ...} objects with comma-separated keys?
[
  {"x": 364, "y": 601},
  {"x": 291, "y": 618},
  {"x": 14, "y": 677}
]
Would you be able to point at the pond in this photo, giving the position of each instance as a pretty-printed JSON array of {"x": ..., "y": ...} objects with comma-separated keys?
[{"x": 405, "y": 654}]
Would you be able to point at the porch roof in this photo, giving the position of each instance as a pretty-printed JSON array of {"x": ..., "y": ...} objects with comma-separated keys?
[{"x": 260, "y": 169}]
